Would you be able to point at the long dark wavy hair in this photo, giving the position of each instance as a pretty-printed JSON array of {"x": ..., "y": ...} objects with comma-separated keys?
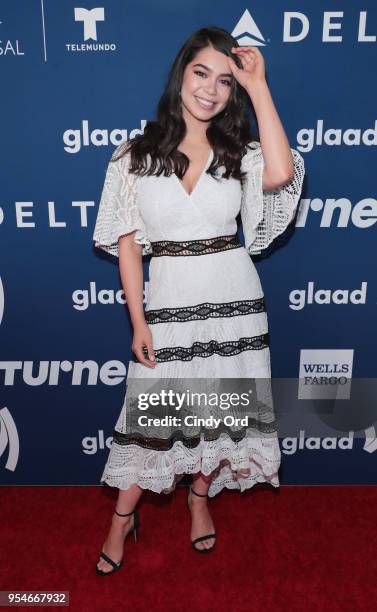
[{"x": 228, "y": 132}]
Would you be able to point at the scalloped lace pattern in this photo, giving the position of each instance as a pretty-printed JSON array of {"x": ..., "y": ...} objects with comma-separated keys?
[
  {"x": 118, "y": 213},
  {"x": 236, "y": 465},
  {"x": 266, "y": 214}
]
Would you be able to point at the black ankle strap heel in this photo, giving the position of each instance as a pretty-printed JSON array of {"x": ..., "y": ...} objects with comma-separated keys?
[
  {"x": 204, "y": 537},
  {"x": 198, "y": 494},
  {"x": 118, "y": 565},
  {"x": 136, "y": 521}
]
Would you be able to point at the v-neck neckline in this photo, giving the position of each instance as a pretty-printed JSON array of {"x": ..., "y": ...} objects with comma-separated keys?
[{"x": 207, "y": 164}]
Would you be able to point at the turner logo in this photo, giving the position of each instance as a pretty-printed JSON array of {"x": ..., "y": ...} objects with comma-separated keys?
[
  {"x": 299, "y": 298},
  {"x": 36, "y": 374},
  {"x": 83, "y": 298},
  {"x": 89, "y": 19},
  {"x": 325, "y": 373},
  {"x": 339, "y": 213},
  {"x": 74, "y": 139},
  {"x": 1, "y": 301},
  {"x": 8, "y": 440}
]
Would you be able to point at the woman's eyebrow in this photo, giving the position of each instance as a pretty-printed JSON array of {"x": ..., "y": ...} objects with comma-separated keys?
[{"x": 228, "y": 74}]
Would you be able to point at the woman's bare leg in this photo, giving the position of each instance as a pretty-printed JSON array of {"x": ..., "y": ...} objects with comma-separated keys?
[
  {"x": 120, "y": 525},
  {"x": 201, "y": 519}
]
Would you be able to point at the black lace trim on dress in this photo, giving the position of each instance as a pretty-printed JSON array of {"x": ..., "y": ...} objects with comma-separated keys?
[
  {"x": 160, "y": 444},
  {"x": 195, "y": 247},
  {"x": 205, "y": 310},
  {"x": 206, "y": 349}
]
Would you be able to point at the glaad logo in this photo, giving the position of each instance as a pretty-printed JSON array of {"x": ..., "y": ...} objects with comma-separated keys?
[
  {"x": 1, "y": 301},
  {"x": 89, "y": 372},
  {"x": 325, "y": 373},
  {"x": 9, "y": 437},
  {"x": 299, "y": 298},
  {"x": 91, "y": 444},
  {"x": 83, "y": 298},
  {"x": 247, "y": 32},
  {"x": 74, "y": 139},
  {"x": 308, "y": 138},
  {"x": 339, "y": 213},
  {"x": 9, "y": 47},
  {"x": 291, "y": 445},
  {"x": 89, "y": 18}
]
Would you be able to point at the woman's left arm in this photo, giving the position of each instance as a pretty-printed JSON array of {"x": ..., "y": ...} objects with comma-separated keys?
[{"x": 278, "y": 161}]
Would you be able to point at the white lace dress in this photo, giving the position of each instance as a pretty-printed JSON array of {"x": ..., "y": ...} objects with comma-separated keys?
[{"x": 205, "y": 308}]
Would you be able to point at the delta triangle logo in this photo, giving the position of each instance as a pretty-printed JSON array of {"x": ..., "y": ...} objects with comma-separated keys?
[{"x": 247, "y": 32}]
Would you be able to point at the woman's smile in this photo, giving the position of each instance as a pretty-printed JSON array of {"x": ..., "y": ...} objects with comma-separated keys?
[{"x": 204, "y": 103}]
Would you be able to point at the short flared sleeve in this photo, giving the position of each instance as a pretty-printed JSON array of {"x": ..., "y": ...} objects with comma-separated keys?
[
  {"x": 118, "y": 211},
  {"x": 266, "y": 214}
]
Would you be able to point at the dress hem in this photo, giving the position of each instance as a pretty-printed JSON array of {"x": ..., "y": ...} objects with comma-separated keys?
[{"x": 242, "y": 485}]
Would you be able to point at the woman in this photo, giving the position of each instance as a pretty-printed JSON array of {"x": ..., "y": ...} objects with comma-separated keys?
[{"x": 175, "y": 193}]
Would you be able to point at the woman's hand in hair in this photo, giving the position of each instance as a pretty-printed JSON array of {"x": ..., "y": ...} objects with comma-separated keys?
[{"x": 252, "y": 71}]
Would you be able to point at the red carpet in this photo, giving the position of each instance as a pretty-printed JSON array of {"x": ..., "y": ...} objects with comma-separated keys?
[{"x": 296, "y": 548}]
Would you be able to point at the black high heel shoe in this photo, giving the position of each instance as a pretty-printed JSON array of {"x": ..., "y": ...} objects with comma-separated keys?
[
  {"x": 117, "y": 566},
  {"x": 204, "y": 537}
]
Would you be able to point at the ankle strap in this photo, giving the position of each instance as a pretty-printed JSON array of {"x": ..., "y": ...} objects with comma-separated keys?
[
  {"x": 198, "y": 494},
  {"x": 128, "y": 514}
]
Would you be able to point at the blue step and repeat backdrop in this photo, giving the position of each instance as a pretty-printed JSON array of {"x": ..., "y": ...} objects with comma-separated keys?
[{"x": 80, "y": 76}]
